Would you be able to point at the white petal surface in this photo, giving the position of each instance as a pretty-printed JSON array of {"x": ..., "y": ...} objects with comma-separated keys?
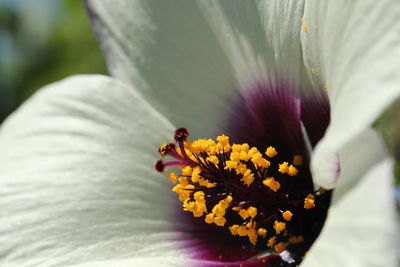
[
  {"x": 360, "y": 230},
  {"x": 76, "y": 177},
  {"x": 356, "y": 158},
  {"x": 190, "y": 57},
  {"x": 352, "y": 48},
  {"x": 139, "y": 261}
]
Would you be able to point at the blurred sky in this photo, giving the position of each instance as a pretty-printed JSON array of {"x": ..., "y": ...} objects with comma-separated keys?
[{"x": 42, "y": 41}]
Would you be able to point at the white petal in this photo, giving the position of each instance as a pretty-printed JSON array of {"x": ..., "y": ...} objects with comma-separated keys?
[
  {"x": 352, "y": 48},
  {"x": 76, "y": 177},
  {"x": 356, "y": 158},
  {"x": 190, "y": 57},
  {"x": 360, "y": 230},
  {"x": 140, "y": 261}
]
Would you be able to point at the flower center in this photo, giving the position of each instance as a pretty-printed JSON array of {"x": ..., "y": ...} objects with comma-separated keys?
[{"x": 252, "y": 193}]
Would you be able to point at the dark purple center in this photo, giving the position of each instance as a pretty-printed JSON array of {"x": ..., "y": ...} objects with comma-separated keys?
[{"x": 266, "y": 115}]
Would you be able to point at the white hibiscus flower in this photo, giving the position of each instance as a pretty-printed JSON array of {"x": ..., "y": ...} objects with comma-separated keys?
[{"x": 76, "y": 168}]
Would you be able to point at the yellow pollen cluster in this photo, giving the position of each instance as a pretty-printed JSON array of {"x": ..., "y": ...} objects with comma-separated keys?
[
  {"x": 248, "y": 230},
  {"x": 271, "y": 152},
  {"x": 289, "y": 169},
  {"x": 207, "y": 163},
  {"x": 163, "y": 150},
  {"x": 280, "y": 247},
  {"x": 279, "y": 227},
  {"x": 297, "y": 160},
  {"x": 296, "y": 239},
  {"x": 287, "y": 215},
  {"x": 272, "y": 184},
  {"x": 246, "y": 213},
  {"x": 271, "y": 242},
  {"x": 309, "y": 202},
  {"x": 197, "y": 207},
  {"x": 217, "y": 215}
]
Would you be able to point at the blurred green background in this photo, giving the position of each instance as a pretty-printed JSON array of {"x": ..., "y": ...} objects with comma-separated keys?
[{"x": 42, "y": 41}]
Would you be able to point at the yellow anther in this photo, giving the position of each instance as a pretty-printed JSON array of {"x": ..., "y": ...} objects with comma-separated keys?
[
  {"x": 199, "y": 196},
  {"x": 213, "y": 159},
  {"x": 196, "y": 146},
  {"x": 244, "y": 214},
  {"x": 229, "y": 199},
  {"x": 210, "y": 185},
  {"x": 271, "y": 152},
  {"x": 261, "y": 232},
  {"x": 283, "y": 168},
  {"x": 245, "y": 147},
  {"x": 244, "y": 156},
  {"x": 296, "y": 239},
  {"x": 183, "y": 181},
  {"x": 287, "y": 215},
  {"x": 234, "y": 229},
  {"x": 252, "y": 212},
  {"x": 251, "y": 224},
  {"x": 162, "y": 150},
  {"x": 279, "y": 226},
  {"x": 272, "y": 184},
  {"x": 235, "y": 156},
  {"x": 187, "y": 171},
  {"x": 241, "y": 168},
  {"x": 230, "y": 165},
  {"x": 196, "y": 174},
  {"x": 220, "y": 221},
  {"x": 271, "y": 242},
  {"x": 262, "y": 163},
  {"x": 242, "y": 230},
  {"x": 297, "y": 160},
  {"x": 223, "y": 140},
  {"x": 173, "y": 177},
  {"x": 280, "y": 247},
  {"x": 252, "y": 234},
  {"x": 184, "y": 195},
  {"x": 292, "y": 171},
  {"x": 309, "y": 202},
  {"x": 209, "y": 218},
  {"x": 253, "y": 151},
  {"x": 236, "y": 148},
  {"x": 248, "y": 178},
  {"x": 219, "y": 210}
]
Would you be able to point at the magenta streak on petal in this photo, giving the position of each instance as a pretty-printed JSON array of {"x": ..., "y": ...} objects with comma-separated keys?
[
  {"x": 268, "y": 113},
  {"x": 272, "y": 260},
  {"x": 337, "y": 170}
]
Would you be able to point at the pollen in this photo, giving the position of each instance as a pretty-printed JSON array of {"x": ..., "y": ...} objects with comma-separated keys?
[
  {"x": 271, "y": 152},
  {"x": 271, "y": 242},
  {"x": 296, "y": 239},
  {"x": 279, "y": 227},
  {"x": 163, "y": 150},
  {"x": 261, "y": 232},
  {"x": 236, "y": 188},
  {"x": 292, "y": 171},
  {"x": 297, "y": 160},
  {"x": 280, "y": 247},
  {"x": 287, "y": 215},
  {"x": 272, "y": 184},
  {"x": 284, "y": 167},
  {"x": 213, "y": 159},
  {"x": 309, "y": 202},
  {"x": 173, "y": 177}
]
